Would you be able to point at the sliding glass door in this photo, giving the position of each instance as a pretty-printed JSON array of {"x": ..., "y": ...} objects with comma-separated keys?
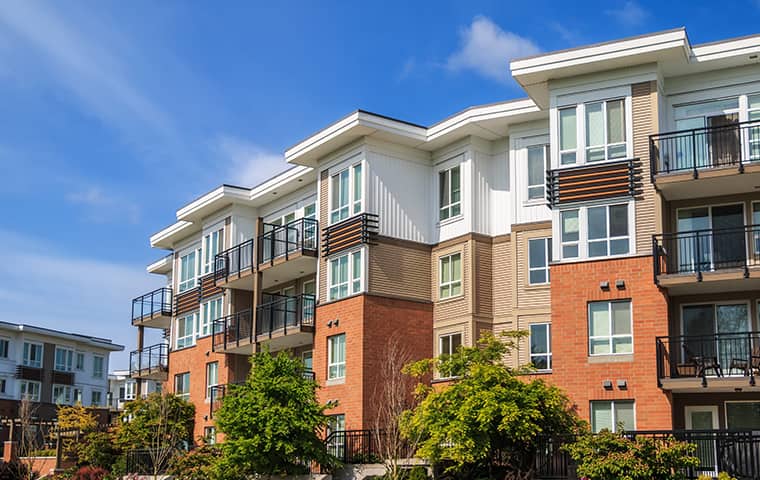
[{"x": 711, "y": 238}]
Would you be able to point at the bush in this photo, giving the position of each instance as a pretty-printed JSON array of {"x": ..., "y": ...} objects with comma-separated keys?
[
  {"x": 90, "y": 473},
  {"x": 13, "y": 471},
  {"x": 96, "y": 449},
  {"x": 721, "y": 476},
  {"x": 194, "y": 465}
]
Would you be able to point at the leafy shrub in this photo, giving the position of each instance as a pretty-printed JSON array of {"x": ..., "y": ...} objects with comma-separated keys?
[
  {"x": 97, "y": 449},
  {"x": 194, "y": 465},
  {"x": 90, "y": 473},
  {"x": 721, "y": 476},
  {"x": 13, "y": 471}
]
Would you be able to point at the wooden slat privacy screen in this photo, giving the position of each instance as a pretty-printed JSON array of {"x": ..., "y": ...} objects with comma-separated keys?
[
  {"x": 349, "y": 233},
  {"x": 593, "y": 182},
  {"x": 187, "y": 301},
  {"x": 208, "y": 287}
]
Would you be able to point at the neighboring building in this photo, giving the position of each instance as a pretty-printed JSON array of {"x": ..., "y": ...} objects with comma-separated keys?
[
  {"x": 540, "y": 214},
  {"x": 51, "y": 367},
  {"x": 122, "y": 388}
]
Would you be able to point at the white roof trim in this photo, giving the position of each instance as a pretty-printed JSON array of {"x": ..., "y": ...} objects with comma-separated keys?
[
  {"x": 725, "y": 49},
  {"x": 97, "y": 342},
  {"x": 169, "y": 231},
  {"x": 481, "y": 113},
  {"x": 161, "y": 265},
  {"x": 276, "y": 182},
  {"x": 224, "y": 191}
]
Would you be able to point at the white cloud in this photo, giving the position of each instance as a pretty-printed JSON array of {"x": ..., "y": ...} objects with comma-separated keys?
[
  {"x": 101, "y": 207},
  {"x": 487, "y": 49},
  {"x": 247, "y": 164},
  {"x": 630, "y": 14},
  {"x": 40, "y": 285}
]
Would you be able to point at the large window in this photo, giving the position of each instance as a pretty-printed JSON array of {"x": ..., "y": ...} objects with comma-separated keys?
[
  {"x": 743, "y": 415},
  {"x": 539, "y": 256},
  {"x": 80, "y": 361},
  {"x": 450, "y": 276},
  {"x": 570, "y": 233},
  {"x": 448, "y": 344},
  {"x": 186, "y": 330},
  {"x": 568, "y": 135},
  {"x": 212, "y": 243},
  {"x": 541, "y": 346},
  {"x": 96, "y": 398},
  {"x": 346, "y": 193},
  {"x": 610, "y": 328},
  {"x": 603, "y": 127},
  {"x": 537, "y": 165},
  {"x": 4, "y": 344},
  {"x": 450, "y": 193},
  {"x": 182, "y": 385},
  {"x": 345, "y": 275},
  {"x": 336, "y": 445},
  {"x": 64, "y": 359},
  {"x": 212, "y": 377},
  {"x": 212, "y": 310},
  {"x": 336, "y": 356},
  {"x": 29, "y": 390},
  {"x": 62, "y": 394},
  {"x": 613, "y": 415},
  {"x": 98, "y": 366},
  {"x": 188, "y": 270},
  {"x": 593, "y": 232},
  {"x": 32, "y": 355}
]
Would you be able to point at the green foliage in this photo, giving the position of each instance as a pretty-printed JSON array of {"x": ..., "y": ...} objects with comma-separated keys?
[
  {"x": 90, "y": 473},
  {"x": 14, "y": 470},
  {"x": 97, "y": 449},
  {"x": 418, "y": 472},
  {"x": 490, "y": 411},
  {"x": 721, "y": 476},
  {"x": 610, "y": 456},
  {"x": 76, "y": 417},
  {"x": 272, "y": 422},
  {"x": 195, "y": 465},
  {"x": 157, "y": 419}
]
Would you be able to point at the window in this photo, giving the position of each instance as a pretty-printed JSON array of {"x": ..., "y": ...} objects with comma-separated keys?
[
  {"x": 450, "y": 276},
  {"x": 212, "y": 377},
  {"x": 182, "y": 385},
  {"x": 449, "y": 344},
  {"x": 743, "y": 415},
  {"x": 613, "y": 415},
  {"x": 97, "y": 366},
  {"x": 64, "y": 359},
  {"x": 80, "y": 361},
  {"x": 608, "y": 230},
  {"x": 129, "y": 391},
  {"x": 209, "y": 435},
  {"x": 568, "y": 136},
  {"x": 77, "y": 396},
  {"x": 212, "y": 242},
  {"x": 30, "y": 390},
  {"x": 212, "y": 310},
  {"x": 4, "y": 344},
  {"x": 605, "y": 130},
  {"x": 336, "y": 445},
  {"x": 96, "y": 398},
  {"x": 449, "y": 193},
  {"x": 62, "y": 394},
  {"x": 188, "y": 271},
  {"x": 308, "y": 360},
  {"x": 610, "y": 328},
  {"x": 537, "y": 161},
  {"x": 753, "y": 102},
  {"x": 541, "y": 346},
  {"x": 346, "y": 193},
  {"x": 186, "y": 330},
  {"x": 342, "y": 268},
  {"x": 3, "y": 385},
  {"x": 336, "y": 356},
  {"x": 539, "y": 256},
  {"x": 310, "y": 229},
  {"x": 570, "y": 233},
  {"x": 32, "y": 355}
]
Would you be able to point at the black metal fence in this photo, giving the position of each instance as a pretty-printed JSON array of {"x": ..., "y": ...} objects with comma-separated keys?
[
  {"x": 149, "y": 461},
  {"x": 233, "y": 330},
  {"x": 300, "y": 235},
  {"x": 154, "y": 304},
  {"x": 281, "y": 312},
  {"x": 234, "y": 261},
  {"x": 149, "y": 360},
  {"x": 702, "y": 148},
  {"x": 707, "y": 250}
]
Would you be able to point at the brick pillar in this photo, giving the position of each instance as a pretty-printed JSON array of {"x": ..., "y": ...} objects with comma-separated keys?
[{"x": 10, "y": 451}]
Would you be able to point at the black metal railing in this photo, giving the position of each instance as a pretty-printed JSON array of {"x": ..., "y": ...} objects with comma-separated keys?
[
  {"x": 708, "y": 250},
  {"x": 551, "y": 460},
  {"x": 703, "y": 148},
  {"x": 149, "y": 461},
  {"x": 298, "y": 236},
  {"x": 157, "y": 303},
  {"x": 149, "y": 360},
  {"x": 280, "y": 313},
  {"x": 353, "y": 446},
  {"x": 703, "y": 356},
  {"x": 234, "y": 261},
  {"x": 309, "y": 375},
  {"x": 232, "y": 331}
]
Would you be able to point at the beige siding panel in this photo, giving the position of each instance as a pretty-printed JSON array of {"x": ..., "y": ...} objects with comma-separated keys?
[
  {"x": 502, "y": 275},
  {"x": 482, "y": 274},
  {"x": 399, "y": 271},
  {"x": 454, "y": 307},
  {"x": 644, "y": 124},
  {"x": 530, "y": 296}
]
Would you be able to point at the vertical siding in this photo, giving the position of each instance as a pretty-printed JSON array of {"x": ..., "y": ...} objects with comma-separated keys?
[
  {"x": 644, "y": 124},
  {"x": 400, "y": 271}
]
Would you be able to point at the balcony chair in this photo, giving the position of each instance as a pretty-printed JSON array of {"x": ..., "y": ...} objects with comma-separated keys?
[{"x": 699, "y": 364}]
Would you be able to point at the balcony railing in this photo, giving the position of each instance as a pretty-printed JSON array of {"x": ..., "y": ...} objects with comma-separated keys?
[
  {"x": 157, "y": 303},
  {"x": 233, "y": 330},
  {"x": 704, "y": 148},
  {"x": 218, "y": 392},
  {"x": 149, "y": 360},
  {"x": 281, "y": 313},
  {"x": 709, "y": 250},
  {"x": 233, "y": 261},
  {"x": 703, "y": 356},
  {"x": 298, "y": 236}
]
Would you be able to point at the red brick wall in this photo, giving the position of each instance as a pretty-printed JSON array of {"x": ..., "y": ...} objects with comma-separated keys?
[
  {"x": 367, "y": 321},
  {"x": 573, "y": 286}
]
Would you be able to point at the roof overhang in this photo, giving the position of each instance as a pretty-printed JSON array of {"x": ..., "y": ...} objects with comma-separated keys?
[
  {"x": 212, "y": 202},
  {"x": 162, "y": 266},
  {"x": 98, "y": 342},
  {"x": 176, "y": 231}
]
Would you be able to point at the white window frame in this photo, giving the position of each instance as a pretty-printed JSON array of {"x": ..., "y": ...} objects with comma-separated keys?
[
  {"x": 5, "y": 347},
  {"x": 209, "y": 383},
  {"x": 445, "y": 175},
  {"x": 611, "y": 337},
  {"x": 547, "y": 241},
  {"x": 613, "y": 411},
  {"x": 210, "y": 310},
  {"x": 99, "y": 402},
  {"x": 95, "y": 372},
  {"x": 212, "y": 244},
  {"x": 548, "y": 353},
  {"x": 606, "y": 145},
  {"x": 209, "y": 435},
  {"x": 189, "y": 282},
  {"x": 336, "y": 368},
  {"x": 450, "y": 282},
  {"x": 185, "y": 393},
  {"x": 540, "y": 200},
  {"x": 68, "y": 359},
  {"x": 79, "y": 367},
  {"x": 353, "y": 206},
  {"x": 189, "y": 339},
  {"x": 23, "y": 390},
  {"x": 130, "y": 390},
  {"x": 582, "y": 242},
  {"x": 3, "y": 385},
  {"x": 66, "y": 391},
  {"x": 354, "y": 280},
  {"x": 27, "y": 354},
  {"x": 450, "y": 336}
]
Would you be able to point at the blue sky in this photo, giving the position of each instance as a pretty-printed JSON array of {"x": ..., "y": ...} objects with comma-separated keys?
[{"x": 115, "y": 114}]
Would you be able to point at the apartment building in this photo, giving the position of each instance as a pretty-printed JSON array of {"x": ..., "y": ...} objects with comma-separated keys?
[
  {"x": 51, "y": 368},
  {"x": 611, "y": 214},
  {"x": 122, "y": 389}
]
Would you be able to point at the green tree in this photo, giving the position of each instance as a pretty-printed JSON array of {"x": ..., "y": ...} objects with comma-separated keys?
[
  {"x": 195, "y": 465},
  {"x": 611, "y": 456},
  {"x": 272, "y": 423},
  {"x": 489, "y": 419}
]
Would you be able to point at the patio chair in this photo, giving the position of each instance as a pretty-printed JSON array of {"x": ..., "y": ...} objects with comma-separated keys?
[{"x": 703, "y": 363}]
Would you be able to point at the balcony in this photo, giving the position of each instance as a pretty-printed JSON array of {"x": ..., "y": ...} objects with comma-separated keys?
[
  {"x": 154, "y": 309},
  {"x": 706, "y": 162},
  {"x": 234, "y": 334},
  {"x": 287, "y": 251},
  {"x": 712, "y": 363},
  {"x": 234, "y": 267},
  {"x": 285, "y": 322},
  {"x": 218, "y": 392},
  {"x": 150, "y": 363},
  {"x": 708, "y": 261}
]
